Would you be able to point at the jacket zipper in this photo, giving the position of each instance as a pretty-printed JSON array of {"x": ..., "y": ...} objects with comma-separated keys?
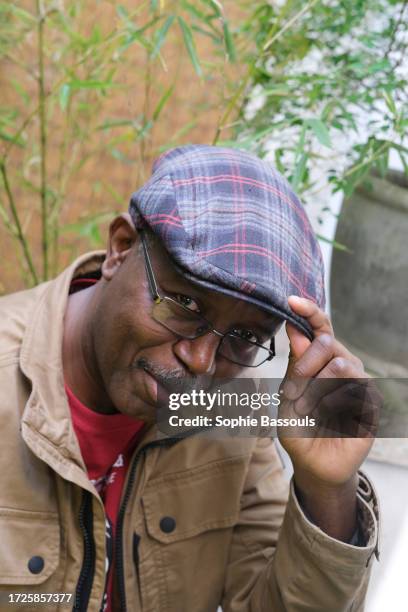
[
  {"x": 121, "y": 514},
  {"x": 86, "y": 576}
]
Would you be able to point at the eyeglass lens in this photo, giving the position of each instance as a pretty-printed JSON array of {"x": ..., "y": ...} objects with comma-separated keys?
[{"x": 189, "y": 324}]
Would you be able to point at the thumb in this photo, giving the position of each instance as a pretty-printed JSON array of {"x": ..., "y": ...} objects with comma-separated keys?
[{"x": 298, "y": 343}]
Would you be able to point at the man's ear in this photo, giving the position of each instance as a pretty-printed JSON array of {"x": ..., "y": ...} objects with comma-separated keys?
[{"x": 122, "y": 236}]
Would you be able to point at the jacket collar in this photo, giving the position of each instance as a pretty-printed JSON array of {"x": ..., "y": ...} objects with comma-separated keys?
[{"x": 46, "y": 421}]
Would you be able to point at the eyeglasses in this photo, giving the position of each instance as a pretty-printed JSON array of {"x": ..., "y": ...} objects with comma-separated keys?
[{"x": 189, "y": 324}]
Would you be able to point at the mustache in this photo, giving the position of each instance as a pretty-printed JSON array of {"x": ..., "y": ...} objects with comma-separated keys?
[
  {"x": 163, "y": 375},
  {"x": 173, "y": 380}
]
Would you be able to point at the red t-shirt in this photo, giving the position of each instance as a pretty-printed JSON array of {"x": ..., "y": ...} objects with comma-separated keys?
[{"x": 107, "y": 442}]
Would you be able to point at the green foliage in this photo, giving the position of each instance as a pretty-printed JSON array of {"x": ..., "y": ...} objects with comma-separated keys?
[
  {"x": 65, "y": 70},
  {"x": 313, "y": 72},
  {"x": 326, "y": 88}
]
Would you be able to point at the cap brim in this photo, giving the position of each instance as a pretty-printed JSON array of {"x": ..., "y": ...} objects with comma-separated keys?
[{"x": 287, "y": 315}]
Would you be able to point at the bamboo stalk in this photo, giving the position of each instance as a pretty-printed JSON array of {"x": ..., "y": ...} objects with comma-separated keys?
[
  {"x": 19, "y": 231},
  {"x": 43, "y": 140},
  {"x": 365, "y": 162},
  {"x": 289, "y": 23}
]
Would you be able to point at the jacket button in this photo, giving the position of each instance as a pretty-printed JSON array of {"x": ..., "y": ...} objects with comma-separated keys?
[
  {"x": 167, "y": 524},
  {"x": 36, "y": 565}
]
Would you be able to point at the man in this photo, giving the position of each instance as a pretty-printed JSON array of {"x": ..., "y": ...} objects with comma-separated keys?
[{"x": 95, "y": 501}]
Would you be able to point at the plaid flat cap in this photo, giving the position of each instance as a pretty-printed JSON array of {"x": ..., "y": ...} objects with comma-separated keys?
[{"x": 231, "y": 222}]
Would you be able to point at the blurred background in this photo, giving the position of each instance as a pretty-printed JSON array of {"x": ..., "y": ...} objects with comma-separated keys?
[{"x": 92, "y": 93}]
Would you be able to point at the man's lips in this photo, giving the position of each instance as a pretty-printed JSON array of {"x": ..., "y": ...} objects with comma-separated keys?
[
  {"x": 161, "y": 389},
  {"x": 152, "y": 375},
  {"x": 175, "y": 382}
]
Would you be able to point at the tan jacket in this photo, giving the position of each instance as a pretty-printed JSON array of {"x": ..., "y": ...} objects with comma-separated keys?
[{"x": 226, "y": 545}]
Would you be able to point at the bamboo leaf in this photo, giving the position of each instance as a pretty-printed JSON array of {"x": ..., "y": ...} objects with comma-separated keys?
[
  {"x": 320, "y": 130},
  {"x": 216, "y": 5},
  {"x": 404, "y": 162},
  {"x": 110, "y": 123},
  {"x": 22, "y": 14},
  {"x": 135, "y": 37},
  {"x": 301, "y": 144},
  {"x": 337, "y": 245},
  {"x": 88, "y": 228},
  {"x": 90, "y": 84},
  {"x": 145, "y": 129},
  {"x": 9, "y": 225},
  {"x": 116, "y": 154},
  {"x": 229, "y": 43},
  {"x": 194, "y": 11},
  {"x": 211, "y": 35},
  {"x": 148, "y": 25},
  {"x": 83, "y": 225},
  {"x": 190, "y": 46},
  {"x": 95, "y": 235},
  {"x": 25, "y": 96},
  {"x": 161, "y": 35},
  {"x": 390, "y": 103},
  {"x": 64, "y": 94},
  {"x": 299, "y": 173},
  {"x": 122, "y": 12},
  {"x": 12, "y": 139},
  {"x": 398, "y": 147},
  {"x": 162, "y": 102}
]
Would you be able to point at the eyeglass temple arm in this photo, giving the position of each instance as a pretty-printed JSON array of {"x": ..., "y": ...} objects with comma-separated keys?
[
  {"x": 272, "y": 348},
  {"x": 149, "y": 268}
]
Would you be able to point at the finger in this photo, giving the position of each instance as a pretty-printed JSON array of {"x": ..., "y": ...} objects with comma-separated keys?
[
  {"x": 341, "y": 366},
  {"x": 350, "y": 410},
  {"x": 327, "y": 381},
  {"x": 337, "y": 416},
  {"x": 314, "y": 359},
  {"x": 308, "y": 365},
  {"x": 298, "y": 344},
  {"x": 307, "y": 309},
  {"x": 317, "y": 389}
]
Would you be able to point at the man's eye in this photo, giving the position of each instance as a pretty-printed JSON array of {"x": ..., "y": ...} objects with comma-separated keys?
[
  {"x": 187, "y": 302},
  {"x": 245, "y": 334}
]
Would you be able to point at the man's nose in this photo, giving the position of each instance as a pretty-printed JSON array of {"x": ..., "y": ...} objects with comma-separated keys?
[{"x": 198, "y": 355}]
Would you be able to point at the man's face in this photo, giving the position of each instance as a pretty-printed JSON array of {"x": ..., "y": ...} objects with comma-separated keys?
[{"x": 135, "y": 354}]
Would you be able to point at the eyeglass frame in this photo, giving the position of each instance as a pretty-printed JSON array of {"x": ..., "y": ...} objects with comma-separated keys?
[{"x": 157, "y": 298}]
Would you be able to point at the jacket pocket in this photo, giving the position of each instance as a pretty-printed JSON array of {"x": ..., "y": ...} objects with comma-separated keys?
[
  {"x": 30, "y": 546},
  {"x": 189, "y": 518},
  {"x": 185, "y": 504}
]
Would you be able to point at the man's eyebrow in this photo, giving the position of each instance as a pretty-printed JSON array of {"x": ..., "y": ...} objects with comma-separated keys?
[
  {"x": 269, "y": 326},
  {"x": 265, "y": 327},
  {"x": 183, "y": 284}
]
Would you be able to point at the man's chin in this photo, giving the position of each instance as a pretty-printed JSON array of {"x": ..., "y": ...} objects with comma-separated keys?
[
  {"x": 138, "y": 402},
  {"x": 139, "y": 410}
]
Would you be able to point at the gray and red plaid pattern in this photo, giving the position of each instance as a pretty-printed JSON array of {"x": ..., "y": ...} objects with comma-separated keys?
[{"x": 231, "y": 222}]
